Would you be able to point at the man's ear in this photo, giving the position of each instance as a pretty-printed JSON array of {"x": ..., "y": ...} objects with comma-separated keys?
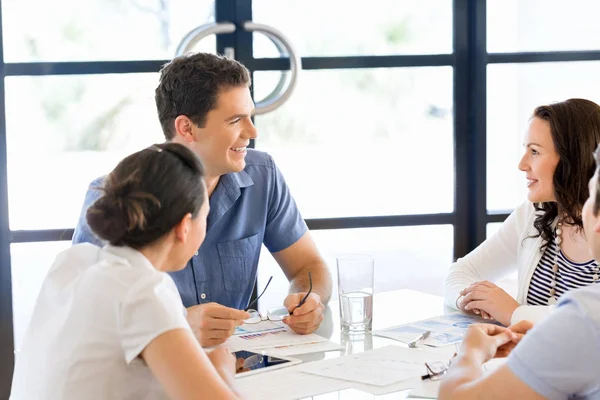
[
  {"x": 182, "y": 229},
  {"x": 183, "y": 128}
]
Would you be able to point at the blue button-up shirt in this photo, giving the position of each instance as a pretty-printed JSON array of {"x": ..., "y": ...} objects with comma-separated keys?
[{"x": 247, "y": 208}]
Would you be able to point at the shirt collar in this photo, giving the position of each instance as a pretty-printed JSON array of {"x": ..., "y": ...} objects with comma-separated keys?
[
  {"x": 130, "y": 255},
  {"x": 228, "y": 190},
  {"x": 240, "y": 179}
]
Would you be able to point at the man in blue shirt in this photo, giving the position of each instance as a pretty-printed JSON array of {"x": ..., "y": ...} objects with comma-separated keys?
[
  {"x": 204, "y": 102},
  {"x": 558, "y": 359}
]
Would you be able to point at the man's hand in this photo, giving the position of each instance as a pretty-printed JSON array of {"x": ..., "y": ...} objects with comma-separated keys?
[
  {"x": 490, "y": 299},
  {"x": 483, "y": 341},
  {"x": 304, "y": 319},
  {"x": 520, "y": 329},
  {"x": 213, "y": 323}
]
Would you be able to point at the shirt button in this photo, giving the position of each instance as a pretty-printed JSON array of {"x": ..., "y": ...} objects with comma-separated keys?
[
  {"x": 203, "y": 296},
  {"x": 196, "y": 253}
]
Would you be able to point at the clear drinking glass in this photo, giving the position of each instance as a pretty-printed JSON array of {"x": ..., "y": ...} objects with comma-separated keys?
[{"x": 355, "y": 288}]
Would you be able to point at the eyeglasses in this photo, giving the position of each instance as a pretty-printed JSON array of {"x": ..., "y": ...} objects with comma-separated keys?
[
  {"x": 275, "y": 313},
  {"x": 437, "y": 370}
]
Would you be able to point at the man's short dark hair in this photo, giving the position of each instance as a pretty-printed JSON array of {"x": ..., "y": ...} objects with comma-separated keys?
[{"x": 189, "y": 85}]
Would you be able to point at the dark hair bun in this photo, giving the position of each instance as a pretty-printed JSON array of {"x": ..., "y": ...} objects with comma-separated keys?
[
  {"x": 107, "y": 218},
  {"x": 147, "y": 194},
  {"x": 120, "y": 211}
]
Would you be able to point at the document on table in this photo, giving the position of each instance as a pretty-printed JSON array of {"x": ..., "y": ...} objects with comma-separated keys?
[
  {"x": 426, "y": 389},
  {"x": 429, "y": 389},
  {"x": 423, "y": 387},
  {"x": 306, "y": 348},
  {"x": 381, "y": 367},
  {"x": 287, "y": 384},
  {"x": 273, "y": 337},
  {"x": 445, "y": 329},
  {"x": 264, "y": 326}
]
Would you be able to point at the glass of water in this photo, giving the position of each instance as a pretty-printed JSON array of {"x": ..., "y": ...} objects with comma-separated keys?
[{"x": 355, "y": 288}]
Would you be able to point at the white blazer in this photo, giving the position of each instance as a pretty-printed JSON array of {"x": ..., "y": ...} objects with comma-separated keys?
[{"x": 509, "y": 249}]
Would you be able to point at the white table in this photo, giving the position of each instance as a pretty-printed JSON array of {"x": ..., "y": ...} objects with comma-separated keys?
[{"x": 389, "y": 309}]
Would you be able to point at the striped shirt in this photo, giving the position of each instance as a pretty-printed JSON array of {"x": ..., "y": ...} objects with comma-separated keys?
[{"x": 570, "y": 276}]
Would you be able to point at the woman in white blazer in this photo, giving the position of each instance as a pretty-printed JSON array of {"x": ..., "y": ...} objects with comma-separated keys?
[
  {"x": 109, "y": 322},
  {"x": 543, "y": 239}
]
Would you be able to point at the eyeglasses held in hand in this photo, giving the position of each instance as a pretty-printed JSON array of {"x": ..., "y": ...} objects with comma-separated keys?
[{"x": 275, "y": 313}]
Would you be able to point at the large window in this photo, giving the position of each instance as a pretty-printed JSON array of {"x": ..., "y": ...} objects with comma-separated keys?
[
  {"x": 99, "y": 30},
  {"x": 83, "y": 125},
  {"x": 401, "y": 138},
  {"x": 561, "y": 41},
  {"x": 542, "y": 25},
  {"x": 387, "y": 27},
  {"x": 513, "y": 92},
  {"x": 364, "y": 130}
]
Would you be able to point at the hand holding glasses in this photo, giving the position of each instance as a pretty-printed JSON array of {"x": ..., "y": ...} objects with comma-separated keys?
[{"x": 275, "y": 313}]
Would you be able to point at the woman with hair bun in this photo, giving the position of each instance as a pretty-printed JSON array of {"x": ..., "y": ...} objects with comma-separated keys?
[{"x": 109, "y": 322}]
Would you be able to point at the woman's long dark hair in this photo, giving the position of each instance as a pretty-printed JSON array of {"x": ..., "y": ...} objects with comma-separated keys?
[{"x": 575, "y": 129}]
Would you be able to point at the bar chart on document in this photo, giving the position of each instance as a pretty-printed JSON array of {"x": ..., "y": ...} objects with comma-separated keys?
[{"x": 275, "y": 337}]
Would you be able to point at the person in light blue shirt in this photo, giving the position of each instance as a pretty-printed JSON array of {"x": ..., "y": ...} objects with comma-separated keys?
[
  {"x": 204, "y": 102},
  {"x": 557, "y": 359}
]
